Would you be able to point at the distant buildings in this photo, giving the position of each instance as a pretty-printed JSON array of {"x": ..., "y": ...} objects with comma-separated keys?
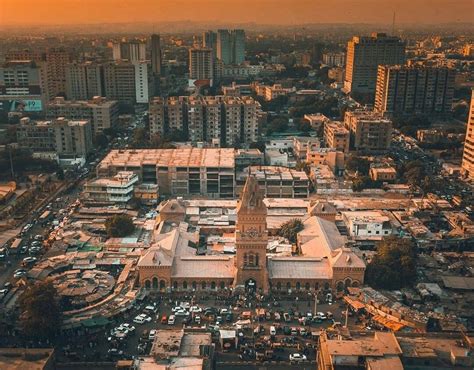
[
  {"x": 133, "y": 51},
  {"x": 316, "y": 120},
  {"x": 209, "y": 41},
  {"x": 272, "y": 92},
  {"x": 101, "y": 112},
  {"x": 231, "y": 120},
  {"x": 187, "y": 171},
  {"x": 363, "y": 224},
  {"x": 334, "y": 59},
  {"x": 201, "y": 64},
  {"x": 156, "y": 58},
  {"x": 468, "y": 156},
  {"x": 365, "y": 54},
  {"x": 368, "y": 130},
  {"x": 67, "y": 138},
  {"x": 414, "y": 90},
  {"x": 231, "y": 46}
]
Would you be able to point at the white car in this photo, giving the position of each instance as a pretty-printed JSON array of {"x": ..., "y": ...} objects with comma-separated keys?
[
  {"x": 321, "y": 315},
  {"x": 185, "y": 305},
  {"x": 152, "y": 334},
  {"x": 177, "y": 308},
  {"x": 171, "y": 320},
  {"x": 181, "y": 313},
  {"x": 195, "y": 309},
  {"x": 129, "y": 327},
  {"x": 139, "y": 319},
  {"x": 297, "y": 357},
  {"x": 224, "y": 311}
]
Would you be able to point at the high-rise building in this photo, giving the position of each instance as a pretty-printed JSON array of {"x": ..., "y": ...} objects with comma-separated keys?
[
  {"x": 231, "y": 46},
  {"x": 22, "y": 86},
  {"x": 209, "y": 41},
  {"x": 101, "y": 113},
  {"x": 133, "y": 51},
  {"x": 230, "y": 120},
  {"x": 67, "y": 138},
  {"x": 156, "y": 54},
  {"x": 365, "y": 54},
  {"x": 201, "y": 64},
  {"x": 468, "y": 156},
  {"x": 84, "y": 81},
  {"x": 57, "y": 60},
  {"x": 334, "y": 59},
  {"x": 369, "y": 130},
  {"x": 414, "y": 89},
  {"x": 128, "y": 82}
]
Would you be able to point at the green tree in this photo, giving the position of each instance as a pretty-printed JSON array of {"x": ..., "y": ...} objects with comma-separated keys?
[
  {"x": 40, "y": 311},
  {"x": 359, "y": 164},
  {"x": 290, "y": 229},
  {"x": 394, "y": 264},
  {"x": 119, "y": 226},
  {"x": 100, "y": 140}
]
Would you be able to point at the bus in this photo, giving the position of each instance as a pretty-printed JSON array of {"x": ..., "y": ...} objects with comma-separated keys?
[
  {"x": 16, "y": 245},
  {"x": 44, "y": 218}
]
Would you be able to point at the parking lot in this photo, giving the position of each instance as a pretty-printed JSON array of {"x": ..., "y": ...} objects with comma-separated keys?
[{"x": 269, "y": 333}]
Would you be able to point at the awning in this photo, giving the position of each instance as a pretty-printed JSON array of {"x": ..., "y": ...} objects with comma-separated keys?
[
  {"x": 98, "y": 321},
  {"x": 393, "y": 325},
  {"x": 357, "y": 305}
]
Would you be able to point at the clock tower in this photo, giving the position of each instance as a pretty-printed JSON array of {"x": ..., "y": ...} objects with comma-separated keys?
[{"x": 251, "y": 239}]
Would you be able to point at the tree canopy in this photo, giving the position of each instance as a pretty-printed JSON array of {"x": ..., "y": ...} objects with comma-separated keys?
[
  {"x": 290, "y": 229},
  {"x": 41, "y": 313},
  {"x": 394, "y": 264},
  {"x": 119, "y": 226}
]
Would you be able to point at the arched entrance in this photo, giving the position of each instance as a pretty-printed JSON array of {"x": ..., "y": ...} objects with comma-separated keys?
[{"x": 251, "y": 286}]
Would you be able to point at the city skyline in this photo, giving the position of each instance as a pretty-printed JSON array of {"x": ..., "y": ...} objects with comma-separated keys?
[{"x": 70, "y": 12}]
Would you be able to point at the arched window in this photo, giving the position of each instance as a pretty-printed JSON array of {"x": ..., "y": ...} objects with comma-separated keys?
[
  {"x": 155, "y": 283},
  {"x": 222, "y": 285},
  {"x": 175, "y": 285},
  {"x": 203, "y": 285},
  {"x": 288, "y": 285},
  {"x": 213, "y": 285},
  {"x": 316, "y": 286},
  {"x": 340, "y": 286},
  {"x": 306, "y": 286},
  {"x": 256, "y": 260},
  {"x": 298, "y": 285},
  {"x": 162, "y": 284},
  {"x": 185, "y": 285},
  {"x": 279, "y": 286},
  {"x": 147, "y": 284},
  {"x": 194, "y": 285},
  {"x": 347, "y": 282},
  {"x": 246, "y": 259},
  {"x": 326, "y": 286},
  {"x": 355, "y": 284}
]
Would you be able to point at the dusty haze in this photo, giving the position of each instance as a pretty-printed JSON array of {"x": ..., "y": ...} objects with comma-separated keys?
[{"x": 24, "y": 12}]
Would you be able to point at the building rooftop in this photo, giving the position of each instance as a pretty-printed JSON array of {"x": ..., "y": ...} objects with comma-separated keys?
[
  {"x": 183, "y": 157},
  {"x": 25, "y": 359}
]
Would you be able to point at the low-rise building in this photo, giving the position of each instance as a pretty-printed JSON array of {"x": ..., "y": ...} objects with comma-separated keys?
[
  {"x": 364, "y": 224},
  {"x": 248, "y": 157},
  {"x": 336, "y": 136},
  {"x": 184, "y": 171},
  {"x": 326, "y": 156},
  {"x": 316, "y": 120},
  {"x": 301, "y": 145},
  {"x": 385, "y": 173},
  {"x": 118, "y": 189},
  {"x": 277, "y": 182}
]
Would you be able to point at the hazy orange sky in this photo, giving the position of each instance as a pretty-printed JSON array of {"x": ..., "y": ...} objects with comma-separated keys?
[{"x": 259, "y": 11}]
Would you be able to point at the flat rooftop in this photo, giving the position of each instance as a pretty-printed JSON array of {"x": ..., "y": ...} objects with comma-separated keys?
[
  {"x": 182, "y": 157},
  {"x": 22, "y": 359}
]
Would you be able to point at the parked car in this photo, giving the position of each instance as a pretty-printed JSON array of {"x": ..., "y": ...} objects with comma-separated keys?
[
  {"x": 164, "y": 319},
  {"x": 152, "y": 334},
  {"x": 297, "y": 358},
  {"x": 171, "y": 320}
]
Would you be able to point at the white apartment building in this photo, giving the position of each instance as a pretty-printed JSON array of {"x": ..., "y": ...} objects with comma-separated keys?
[
  {"x": 118, "y": 189},
  {"x": 367, "y": 224}
]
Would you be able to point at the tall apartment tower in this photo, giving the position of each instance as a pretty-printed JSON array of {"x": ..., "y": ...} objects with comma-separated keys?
[
  {"x": 468, "y": 155},
  {"x": 209, "y": 41},
  {"x": 57, "y": 61},
  {"x": 251, "y": 238},
  {"x": 156, "y": 54},
  {"x": 414, "y": 89},
  {"x": 133, "y": 51},
  {"x": 365, "y": 54},
  {"x": 201, "y": 64},
  {"x": 84, "y": 81},
  {"x": 368, "y": 130},
  {"x": 231, "y": 46}
]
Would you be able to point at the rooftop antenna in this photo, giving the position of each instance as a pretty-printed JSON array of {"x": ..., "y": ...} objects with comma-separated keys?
[{"x": 393, "y": 23}]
